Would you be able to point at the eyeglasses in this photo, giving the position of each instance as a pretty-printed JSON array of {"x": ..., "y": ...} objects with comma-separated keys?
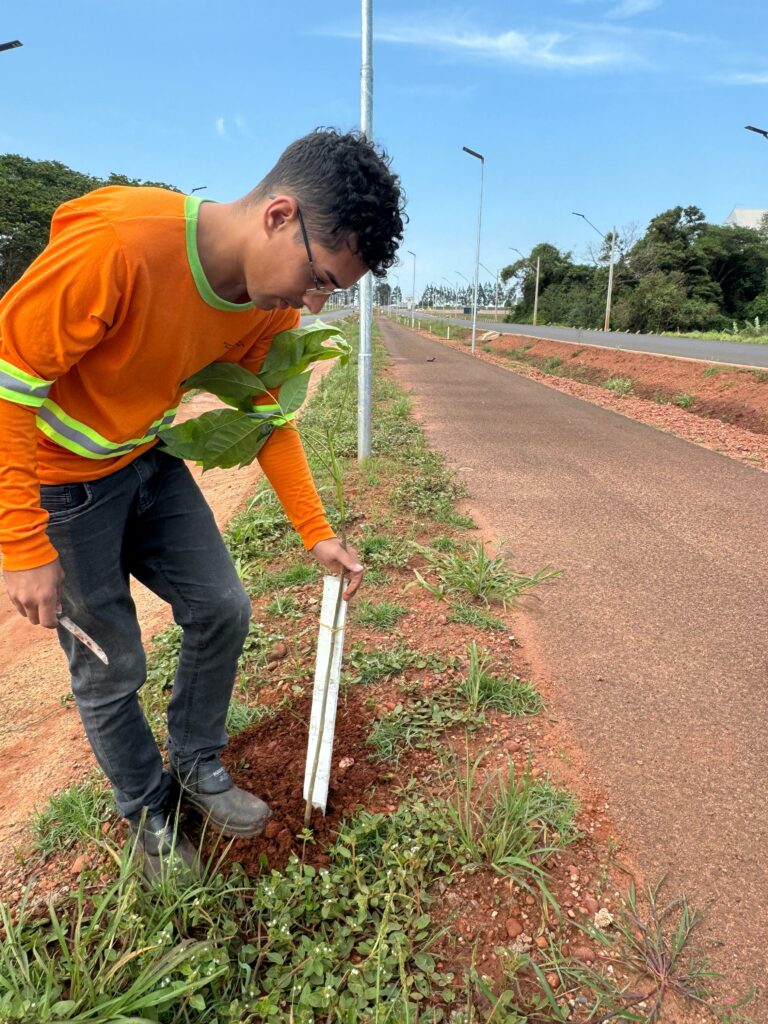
[{"x": 318, "y": 289}]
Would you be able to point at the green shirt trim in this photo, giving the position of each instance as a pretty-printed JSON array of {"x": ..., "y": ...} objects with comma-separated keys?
[{"x": 192, "y": 206}]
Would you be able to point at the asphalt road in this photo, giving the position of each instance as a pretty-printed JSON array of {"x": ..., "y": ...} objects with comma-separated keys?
[
  {"x": 656, "y": 637},
  {"x": 737, "y": 352}
]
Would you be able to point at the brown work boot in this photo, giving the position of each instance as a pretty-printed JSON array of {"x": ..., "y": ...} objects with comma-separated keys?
[{"x": 226, "y": 808}]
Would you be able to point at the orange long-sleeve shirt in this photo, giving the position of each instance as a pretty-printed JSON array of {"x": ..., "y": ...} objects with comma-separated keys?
[{"x": 96, "y": 339}]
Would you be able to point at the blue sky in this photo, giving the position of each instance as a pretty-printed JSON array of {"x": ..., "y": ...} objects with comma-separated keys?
[{"x": 616, "y": 108}]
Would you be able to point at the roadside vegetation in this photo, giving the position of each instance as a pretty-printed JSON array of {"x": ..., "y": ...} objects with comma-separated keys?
[{"x": 454, "y": 879}]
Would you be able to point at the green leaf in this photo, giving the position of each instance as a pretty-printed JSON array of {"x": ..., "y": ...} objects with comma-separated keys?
[
  {"x": 293, "y": 392},
  {"x": 221, "y": 438},
  {"x": 292, "y": 352},
  {"x": 229, "y": 381},
  {"x": 197, "y": 1002}
]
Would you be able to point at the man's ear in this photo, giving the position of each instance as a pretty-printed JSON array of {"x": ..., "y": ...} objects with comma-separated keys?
[{"x": 278, "y": 213}]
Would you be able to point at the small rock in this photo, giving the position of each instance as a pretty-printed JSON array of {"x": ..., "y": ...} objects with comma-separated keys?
[
  {"x": 279, "y": 651},
  {"x": 442, "y": 619},
  {"x": 345, "y": 763},
  {"x": 603, "y": 918},
  {"x": 541, "y": 941},
  {"x": 79, "y": 864},
  {"x": 591, "y": 904},
  {"x": 585, "y": 954},
  {"x": 271, "y": 666},
  {"x": 514, "y": 928},
  {"x": 553, "y": 981},
  {"x": 529, "y": 900}
]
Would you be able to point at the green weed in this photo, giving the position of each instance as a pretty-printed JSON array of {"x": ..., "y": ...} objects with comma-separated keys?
[
  {"x": 73, "y": 814},
  {"x": 481, "y": 689},
  {"x": 471, "y": 615},
  {"x": 684, "y": 399},
  {"x": 418, "y": 725},
  {"x": 384, "y": 615},
  {"x": 619, "y": 385},
  {"x": 282, "y": 606},
  {"x": 470, "y": 570},
  {"x": 368, "y": 665}
]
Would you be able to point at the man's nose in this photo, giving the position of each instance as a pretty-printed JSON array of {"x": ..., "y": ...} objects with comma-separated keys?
[{"x": 315, "y": 303}]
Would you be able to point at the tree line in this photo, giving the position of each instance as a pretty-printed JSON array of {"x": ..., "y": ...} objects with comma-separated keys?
[{"x": 683, "y": 274}]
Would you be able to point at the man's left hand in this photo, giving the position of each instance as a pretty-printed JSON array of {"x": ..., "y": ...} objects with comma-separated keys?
[{"x": 332, "y": 556}]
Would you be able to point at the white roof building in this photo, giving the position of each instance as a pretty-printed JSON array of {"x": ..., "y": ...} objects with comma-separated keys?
[{"x": 742, "y": 217}]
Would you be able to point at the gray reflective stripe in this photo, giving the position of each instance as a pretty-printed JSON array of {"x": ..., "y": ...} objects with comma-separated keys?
[
  {"x": 85, "y": 441},
  {"x": 16, "y": 386}
]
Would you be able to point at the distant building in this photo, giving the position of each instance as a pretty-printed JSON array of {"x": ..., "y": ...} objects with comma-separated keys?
[{"x": 741, "y": 217}]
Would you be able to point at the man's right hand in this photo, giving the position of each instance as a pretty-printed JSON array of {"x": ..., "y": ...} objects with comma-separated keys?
[{"x": 36, "y": 592}]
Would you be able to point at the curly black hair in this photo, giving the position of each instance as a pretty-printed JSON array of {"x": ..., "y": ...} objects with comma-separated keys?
[{"x": 345, "y": 187}]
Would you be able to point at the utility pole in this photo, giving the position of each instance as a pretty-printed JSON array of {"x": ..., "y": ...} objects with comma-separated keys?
[
  {"x": 608, "y": 298},
  {"x": 413, "y": 291},
  {"x": 365, "y": 355},
  {"x": 481, "y": 158}
]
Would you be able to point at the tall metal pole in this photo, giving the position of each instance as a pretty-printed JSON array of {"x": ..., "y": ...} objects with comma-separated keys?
[
  {"x": 481, "y": 158},
  {"x": 365, "y": 355},
  {"x": 536, "y": 293},
  {"x": 607, "y": 325},
  {"x": 413, "y": 290},
  {"x": 608, "y": 298}
]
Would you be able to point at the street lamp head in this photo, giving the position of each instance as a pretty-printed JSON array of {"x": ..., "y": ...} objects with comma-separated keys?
[
  {"x": 11, "y": 45},
  {"x": 758, "y": 131},
  {"x": 473, "y": 153},
  {"x": 411, "y": 253},
  {"x": 198, "y": 188}
]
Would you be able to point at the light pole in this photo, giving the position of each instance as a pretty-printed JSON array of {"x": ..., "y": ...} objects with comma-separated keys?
[
  {"x": 536, "y": 289},
  {"x": 496, "y": 296},
  {"x": 465, "y": 278},
  {"x": 413, "y": 295},
  {"x": 365, "y": 353},
  {"x": 481, "y": 158},
  {"x": 607, "y": 324}
]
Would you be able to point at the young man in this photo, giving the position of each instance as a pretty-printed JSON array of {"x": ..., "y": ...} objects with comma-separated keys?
[{"x": 138, "y": 289}]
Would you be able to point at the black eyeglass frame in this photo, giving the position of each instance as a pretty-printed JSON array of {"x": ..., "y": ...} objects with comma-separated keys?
[{"x": 318, "y": 289}]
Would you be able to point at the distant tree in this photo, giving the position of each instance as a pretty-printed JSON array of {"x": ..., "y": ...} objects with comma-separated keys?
[{"x": 30, "y": 192}]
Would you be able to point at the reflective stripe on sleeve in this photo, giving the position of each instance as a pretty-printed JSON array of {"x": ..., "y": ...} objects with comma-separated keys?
[
  {"x": 22, "y": 388},
  {"x": 83, "y": 440}
]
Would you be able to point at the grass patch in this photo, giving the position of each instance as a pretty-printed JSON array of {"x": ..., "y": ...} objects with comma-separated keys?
[
  {"x": 471, "y": 615},
  {"x": 381, "y": 615},
  {"x": 684, "y": 399},
  {"x": 470, "y": 571},
  {"x": 282, "y": 606},
  {"x": 418, "y": 725},
  {"x": 619, "y": 385},
  {"x": 73, "y": 814},
  {"x": 481, "y": 689},
  {"x": 369, "y": 664},
  {"x": 508, "y": 822}
]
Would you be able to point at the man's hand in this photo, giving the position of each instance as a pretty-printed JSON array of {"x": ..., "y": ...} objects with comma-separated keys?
[
  {"x": 333, "y": 556},
  {"x": 36, "y": 592}
]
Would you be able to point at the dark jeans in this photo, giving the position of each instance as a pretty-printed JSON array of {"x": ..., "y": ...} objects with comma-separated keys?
[{"x": 148, "y": 520}]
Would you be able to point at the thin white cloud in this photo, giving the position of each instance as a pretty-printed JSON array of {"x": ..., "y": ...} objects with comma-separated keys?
[
  {"x": 629, "y": 8},
  {"x": 745, "y": 78},
  {"x": 221, "y": 129},
  {"x": 555, "y": 50}
]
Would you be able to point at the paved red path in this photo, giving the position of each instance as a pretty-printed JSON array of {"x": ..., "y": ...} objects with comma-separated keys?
[{"x": 655, "y": 638}]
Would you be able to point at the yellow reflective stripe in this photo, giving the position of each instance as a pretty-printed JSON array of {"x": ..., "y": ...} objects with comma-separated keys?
[
  {"x": 20, "y": 387},
  {"x": 78, "y": 437}
]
